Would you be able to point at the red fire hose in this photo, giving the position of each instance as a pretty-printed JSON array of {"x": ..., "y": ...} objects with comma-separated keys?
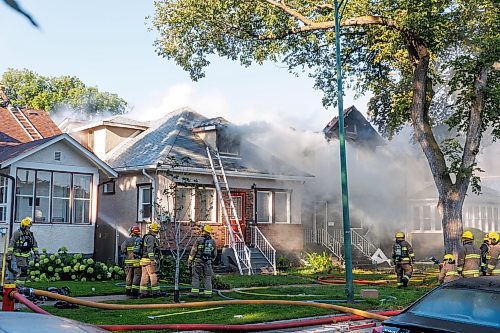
[
  {"x": 29, "y": 304},
  {"x": 248, "y": 327},
  {"x": 220, "y": 327}
]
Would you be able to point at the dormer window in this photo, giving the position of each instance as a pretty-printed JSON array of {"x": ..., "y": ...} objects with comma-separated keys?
[{"x": 228, "y": 142}]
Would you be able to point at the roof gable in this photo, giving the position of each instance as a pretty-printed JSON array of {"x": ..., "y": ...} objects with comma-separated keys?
[
  {"x": 357, "y": 129},
  {"x": 12, "y": 154}
]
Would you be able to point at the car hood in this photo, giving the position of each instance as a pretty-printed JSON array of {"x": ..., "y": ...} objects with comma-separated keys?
[
  {"x": 433, "y": 325},
  {"x": 20, "y": 322}
]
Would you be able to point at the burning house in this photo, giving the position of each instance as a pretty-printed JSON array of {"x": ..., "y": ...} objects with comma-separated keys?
[{"x": 182, "y": 169}]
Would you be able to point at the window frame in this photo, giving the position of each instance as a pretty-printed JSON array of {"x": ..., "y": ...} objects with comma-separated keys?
[
  {"x": 4, "y": 185},
  {"x": 213, "y": 215},
  {"x": 51, "y": 196},
  {"x": 272, "y": 205},
  {"x": 140, "y": 204}
]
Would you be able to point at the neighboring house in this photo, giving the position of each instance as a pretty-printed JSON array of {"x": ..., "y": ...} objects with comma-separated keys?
[
  {"x": 357, "y": 130},
  {"x": 49, "y": 177},
  {"x": 424, "y": 222},
  {"x": 322, "y": 213},
  {"x": 267, "y": 192}
]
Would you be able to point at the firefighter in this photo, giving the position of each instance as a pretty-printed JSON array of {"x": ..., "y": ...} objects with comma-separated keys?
[
  {"x": 484, "y": 253},
  {"x": 469, "y": 257},
  {"x": 493, "y": 267},
  {"x": 150, "y": 248},
  {"x": 200, "y": 259},
  {"x": 132, "y": 248},
  {"x": 22, "y": 243},
  {"x": 448, "y": 270},
  {"x": 403, "y": 258}
]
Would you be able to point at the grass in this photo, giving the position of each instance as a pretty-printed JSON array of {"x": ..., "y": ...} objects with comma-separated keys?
[
  {"x": 79, "y": 289},
  {"x": 296, "y": 286}
]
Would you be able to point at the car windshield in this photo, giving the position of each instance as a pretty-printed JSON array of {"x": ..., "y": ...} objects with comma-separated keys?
[{"x": 472, "y": 306}]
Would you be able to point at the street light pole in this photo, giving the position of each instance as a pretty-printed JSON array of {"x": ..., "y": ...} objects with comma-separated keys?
[{"x": 343, "y": 163}]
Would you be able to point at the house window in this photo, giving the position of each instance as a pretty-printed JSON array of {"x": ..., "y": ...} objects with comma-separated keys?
[
  {"x": 427, "y": 218},
  {"x": 205, "y": 203},
  {"x": 144, "y": 203},
  {"x": 42, "y": 196},
  {"x": 24, "y": 193},
  {"x": 264, "y": 207},
  {"x": 53, "y": 197},
  {"x": 183, "y": 207},
  {"x": 61, "y": 197},
  {"x": 3, "y": 199},
  {"x": 228, "y": 143},
  {"x": 81, "y": 199},
  {"x": 281, "y": 207},
  {"x": 108, "y": 188}
]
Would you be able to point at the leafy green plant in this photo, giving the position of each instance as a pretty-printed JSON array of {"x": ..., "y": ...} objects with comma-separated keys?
[
  {"x": 318, "y": 263},
  {"x": 63, "y": 266},
  {"x": 167, "y": 270}
]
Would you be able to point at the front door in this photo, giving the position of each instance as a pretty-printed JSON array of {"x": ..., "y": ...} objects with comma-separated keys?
[{"x": 239, "y": 203}]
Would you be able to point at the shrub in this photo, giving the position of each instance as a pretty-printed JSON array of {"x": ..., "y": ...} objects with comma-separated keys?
[
  {"x": 167, "y": 270},
  {"x": 66, "y": 267},
  {"x": 319, "y": 263}
]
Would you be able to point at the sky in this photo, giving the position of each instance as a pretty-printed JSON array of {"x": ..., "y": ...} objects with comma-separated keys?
[{"x": 107, "y": 44}]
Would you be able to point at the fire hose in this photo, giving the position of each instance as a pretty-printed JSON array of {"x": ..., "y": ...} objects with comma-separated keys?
[
  {"x": 106, "y": 306},
  {"x": 216, "y": 327}
]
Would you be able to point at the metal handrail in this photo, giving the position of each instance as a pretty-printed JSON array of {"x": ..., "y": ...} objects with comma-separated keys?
[
  {"x": 358, "y": 240},
  {"x": 330, "y": 242},
  {"x": 264, "y": 246}
]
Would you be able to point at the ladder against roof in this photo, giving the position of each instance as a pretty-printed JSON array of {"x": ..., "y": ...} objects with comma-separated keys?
[
  {"x": 236, "y": 237},
  {"x": 25, "y": 123}
]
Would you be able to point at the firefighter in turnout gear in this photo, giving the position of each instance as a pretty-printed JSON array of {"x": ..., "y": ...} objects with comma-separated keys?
[
  {"x": 21, "y": 244},
  {"x": 200, "y": 259},
  {"x": 484, "y": 253},
  {"x": 469, "y": 257},
  {"x": 448, "y": 270},
  {"x": 493, "y": 267},
  {"x": 150, "y": 252},
  {"x": 403, "y": 258},
  {"x": 132, "y": 247}
]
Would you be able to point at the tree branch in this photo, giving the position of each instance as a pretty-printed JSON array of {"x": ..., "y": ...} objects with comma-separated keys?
[
  {"x": 281, "y": 5},
  {"x": 473, "y": 138}
]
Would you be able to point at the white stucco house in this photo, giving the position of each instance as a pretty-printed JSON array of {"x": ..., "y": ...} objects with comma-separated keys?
[{"x": 50, "y": 177}]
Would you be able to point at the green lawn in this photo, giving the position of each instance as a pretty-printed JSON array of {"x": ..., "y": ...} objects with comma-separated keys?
[{"x": 286, "y": 287}]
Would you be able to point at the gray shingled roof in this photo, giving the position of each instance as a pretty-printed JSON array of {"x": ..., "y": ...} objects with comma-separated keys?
[
  {"x": 172, "y": 136},
  {"x": 126, "y": 121}
]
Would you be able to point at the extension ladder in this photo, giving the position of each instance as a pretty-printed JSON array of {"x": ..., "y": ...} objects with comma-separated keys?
[{"x": 236, "y": 237}]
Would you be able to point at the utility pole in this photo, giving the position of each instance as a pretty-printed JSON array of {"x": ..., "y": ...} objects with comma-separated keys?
[{"x": 349, "y": 284}]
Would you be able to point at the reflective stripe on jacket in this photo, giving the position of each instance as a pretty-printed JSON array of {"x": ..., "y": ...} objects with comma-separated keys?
[
  {"x": 150, "y": 245},
  {"x": 469, "y": 258},
  {"x": 494, "y": 261}
]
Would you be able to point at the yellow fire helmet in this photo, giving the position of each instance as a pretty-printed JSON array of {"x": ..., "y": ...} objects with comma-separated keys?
[
  {"x": 207, "y": 229},
  {"x": 400, "y": 234},
  {"x": 449, "y": 257},
  {"x": 493, "y": 236},
  {"x": 26, "y": 222},
  {"x": 468, "y": 235},
  {"x": 154, "y": 227}
]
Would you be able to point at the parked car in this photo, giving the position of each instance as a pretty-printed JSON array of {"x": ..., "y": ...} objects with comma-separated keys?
[{"x": 462, "y": 306}]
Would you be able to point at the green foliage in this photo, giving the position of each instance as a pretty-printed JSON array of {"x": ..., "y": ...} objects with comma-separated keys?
[
  {"x": 318, "y": 263},
  {"x": 27, "y": 88},
  {"x": 62, "y": 266},
  {"x": 167, "y": 270}
]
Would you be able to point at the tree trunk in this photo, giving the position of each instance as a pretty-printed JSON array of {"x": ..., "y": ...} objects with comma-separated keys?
[{"x": 451, "y": 207}]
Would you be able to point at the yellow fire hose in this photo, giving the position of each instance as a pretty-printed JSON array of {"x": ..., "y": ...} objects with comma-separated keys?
[
  {"x": 106, "y": 306},
  {"x": 4, "y": 257}
]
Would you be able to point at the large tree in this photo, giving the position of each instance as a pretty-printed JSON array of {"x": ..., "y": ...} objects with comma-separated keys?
[
  {"x": 406, "y": 53},
  {"x": 27, "y": 88}
]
